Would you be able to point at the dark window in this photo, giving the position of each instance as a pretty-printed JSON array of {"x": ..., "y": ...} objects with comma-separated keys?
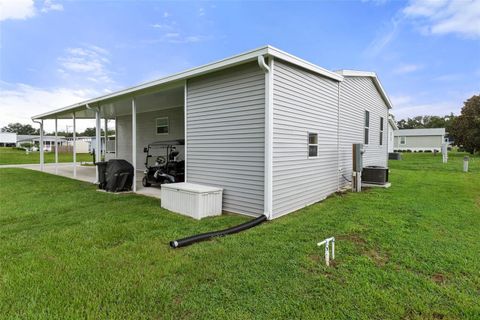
[
  {"x": 381, "y": 130},
  {"x": 367, "y": 127},
  {"x": 312, "y": 145}
]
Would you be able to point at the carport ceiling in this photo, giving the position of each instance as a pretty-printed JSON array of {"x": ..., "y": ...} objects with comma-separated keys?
[{"x": 160, "y": 99}]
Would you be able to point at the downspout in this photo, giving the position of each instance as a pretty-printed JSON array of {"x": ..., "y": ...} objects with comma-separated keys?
[
  {"x": 338, "y": 140},
  {"x": 268, "y": 177}
]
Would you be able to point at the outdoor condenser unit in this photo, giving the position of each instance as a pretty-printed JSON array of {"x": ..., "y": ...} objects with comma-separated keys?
[{"x": 375, "y": 175}]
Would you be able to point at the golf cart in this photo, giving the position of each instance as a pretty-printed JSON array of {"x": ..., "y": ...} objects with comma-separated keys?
[{"x": 166, "y": 168}]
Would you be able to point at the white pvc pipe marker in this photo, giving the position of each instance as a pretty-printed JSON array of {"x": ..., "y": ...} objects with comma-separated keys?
[{"x": 326, "y": 242}]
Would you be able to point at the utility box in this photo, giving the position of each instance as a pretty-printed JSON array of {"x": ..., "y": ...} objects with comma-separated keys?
[
  {"x": 357, "y": 153},
  {"x": 193, "y": 200}
]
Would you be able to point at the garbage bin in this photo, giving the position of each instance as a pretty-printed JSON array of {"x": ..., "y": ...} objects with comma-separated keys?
[{"x": 102, "y": 177}]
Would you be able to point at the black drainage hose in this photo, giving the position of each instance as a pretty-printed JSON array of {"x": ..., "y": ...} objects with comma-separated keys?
[{"x": 205, "y": 236}]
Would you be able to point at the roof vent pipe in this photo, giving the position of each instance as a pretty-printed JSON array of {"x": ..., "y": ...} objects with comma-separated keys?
[{"x": 262, "y": 64}]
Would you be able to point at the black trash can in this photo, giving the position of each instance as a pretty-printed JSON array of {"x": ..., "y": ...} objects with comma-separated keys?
[{"x": 102, "y": 174}]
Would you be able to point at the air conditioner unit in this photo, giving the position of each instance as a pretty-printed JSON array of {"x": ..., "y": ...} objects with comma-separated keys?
[
  {"x": 394, "y": 156},
  {"x": 375, "y": 175}
]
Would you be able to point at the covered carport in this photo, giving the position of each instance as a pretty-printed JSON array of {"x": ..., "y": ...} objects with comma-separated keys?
[{"x": 133, "y": 111}]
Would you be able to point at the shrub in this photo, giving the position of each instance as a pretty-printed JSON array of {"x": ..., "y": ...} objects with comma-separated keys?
[
  {"x": 428, "y": 151},
  {"x": 408, "y": 150}
]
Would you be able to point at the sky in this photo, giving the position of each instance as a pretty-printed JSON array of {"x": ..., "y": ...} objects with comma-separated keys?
[{"x": 54, "y": 53}]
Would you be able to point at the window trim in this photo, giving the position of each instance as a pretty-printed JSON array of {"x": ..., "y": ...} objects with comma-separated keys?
[
  {"x": 404, "y": 140},
  {"x": 366, "y": 128},
  {"x": 312, "y": 144},
  {"x": 382, "y": 125},
  {"x": 156, "y": 126}
]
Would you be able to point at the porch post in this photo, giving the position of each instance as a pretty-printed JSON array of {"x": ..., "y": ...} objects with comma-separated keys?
[
  {"x": 98, "y": 142},
  {"x": 42, "y": 159},
  {"x": 134, "y": 144},
  {"x": 56, "y": 145},
  {"x": 106, "y": 139},
  {"x": 74, "y": 145}
]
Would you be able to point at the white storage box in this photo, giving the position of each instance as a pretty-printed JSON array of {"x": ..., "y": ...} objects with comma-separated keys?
[{"x": 193, "y": 200}]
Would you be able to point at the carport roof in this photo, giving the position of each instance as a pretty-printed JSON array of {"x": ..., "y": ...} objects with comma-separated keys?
[{"x": 252, "y": 55}]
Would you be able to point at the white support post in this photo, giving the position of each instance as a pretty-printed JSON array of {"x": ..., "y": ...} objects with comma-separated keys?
[
  {"x": 134, "y": 144},
  {"x": 74, "y": 145},
  {"x": 185, "y": 95},
  {"x": 106, "y": 139},
  {"x": 42, "y": 159},
  {"x": 56, "y": 145},
  {"x": 98, "y": 142}
]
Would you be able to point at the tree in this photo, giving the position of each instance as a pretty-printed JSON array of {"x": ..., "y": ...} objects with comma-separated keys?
[
  {"x": 466, "y": 127},
  {"x": 19, "y": 128},
  {"x": 427, "y": 121}
]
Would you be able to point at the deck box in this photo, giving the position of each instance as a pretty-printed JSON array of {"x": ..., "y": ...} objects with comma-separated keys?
[{"x": 193, "y": 200}]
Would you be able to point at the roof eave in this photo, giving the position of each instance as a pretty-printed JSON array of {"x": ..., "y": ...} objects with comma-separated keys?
[{"x": 194, "y": 72}]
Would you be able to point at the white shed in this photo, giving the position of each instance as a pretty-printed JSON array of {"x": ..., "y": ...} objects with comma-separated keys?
[{"x": 275, "y": 132}]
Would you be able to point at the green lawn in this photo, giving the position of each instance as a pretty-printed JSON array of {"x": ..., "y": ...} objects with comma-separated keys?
[
  {"x": 408, "y": 252},
  {"x": 10, "y": 155}
]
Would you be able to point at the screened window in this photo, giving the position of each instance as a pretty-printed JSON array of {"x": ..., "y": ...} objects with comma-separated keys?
[
  {"x": 367, "y": 127},
  {"x": 312, "y": 144},
  {"x": 403, "y": 140},
  {"x": 162, "y": 125},
  {"x": 381, "y": 130}
]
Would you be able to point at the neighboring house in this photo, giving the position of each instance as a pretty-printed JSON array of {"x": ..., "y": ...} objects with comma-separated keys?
[
  {"x": 8, "y": 139},
  {"x": 48, "y": 141},
  {"x": 274, "y": 131},
  {"x": 392, "y": 126},
  {"x": 420, "y": 139}
]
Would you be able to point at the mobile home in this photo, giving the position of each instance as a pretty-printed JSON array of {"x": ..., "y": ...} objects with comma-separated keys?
[{"x": 275, "y": 132}]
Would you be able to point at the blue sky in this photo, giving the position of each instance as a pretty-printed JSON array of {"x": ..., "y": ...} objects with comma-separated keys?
[{"x": 427, "y": 54}]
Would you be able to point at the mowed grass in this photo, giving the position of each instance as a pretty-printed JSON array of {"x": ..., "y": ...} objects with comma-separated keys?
[
  {"x": 10, "y": 155},
  {"x": 408, "y": 252}
]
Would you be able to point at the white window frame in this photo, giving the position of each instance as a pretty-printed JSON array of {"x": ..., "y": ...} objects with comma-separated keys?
[
  {"x": 366, "y": 137},
  {"x": 404, "y": 140},
  {"x": 168, "y": 126},
  {"x": 312, "y": 144}
]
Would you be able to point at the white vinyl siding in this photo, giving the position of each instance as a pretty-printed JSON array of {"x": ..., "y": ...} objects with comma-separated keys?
[
  {"x": 358, "y": 94},
  {"x": 303, "y": 103},
  {"x": 226, "y": 135}
]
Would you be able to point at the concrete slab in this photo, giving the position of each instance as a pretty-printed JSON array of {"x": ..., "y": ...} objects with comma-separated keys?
[{"x": 84, "y": 173}]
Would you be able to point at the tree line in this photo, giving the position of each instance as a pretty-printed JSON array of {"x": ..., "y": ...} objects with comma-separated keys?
[{"x": 27, "y": 129}]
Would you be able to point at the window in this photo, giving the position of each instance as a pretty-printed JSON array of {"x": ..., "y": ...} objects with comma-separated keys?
[
  {"x": 312, "y": 144},
  {"x": 381, "y": 130},
  {"x": 367, "y": 127},
  {"x": 403, "y": 140},
  {"x": 162, "y": 125}
]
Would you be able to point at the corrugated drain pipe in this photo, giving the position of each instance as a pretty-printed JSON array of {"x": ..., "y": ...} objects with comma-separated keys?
[{"x": 209, "y": 235}]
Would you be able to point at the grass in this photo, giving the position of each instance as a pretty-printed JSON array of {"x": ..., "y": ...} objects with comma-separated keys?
[
  {"x": 408, "y": 252},
  {"x": 9, "y": 155}
]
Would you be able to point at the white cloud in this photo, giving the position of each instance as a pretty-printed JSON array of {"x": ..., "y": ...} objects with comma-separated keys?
[
  {"x": 446, "y": 16},
  {"x": 201, "y": 12},
  {"x": 407, "y": 68},
  {"x": 49, "y": 5},
  {"x": 90, "y": 62},
  {"x": 406, "y": 106},
  {"x": 20, "y": 101},
  {"x": 24, "y": 9},
  {"x": 16, "y": 9},
  {"x": 384, "y": 37}
]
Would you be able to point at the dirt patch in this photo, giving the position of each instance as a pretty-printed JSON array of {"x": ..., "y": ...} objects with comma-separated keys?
[
  {"x": 378, "y": 258},
  {"x": 437, "y": 315},
  {"x": 438, "y": 278},
  {"x": 354, "y": 237}
]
